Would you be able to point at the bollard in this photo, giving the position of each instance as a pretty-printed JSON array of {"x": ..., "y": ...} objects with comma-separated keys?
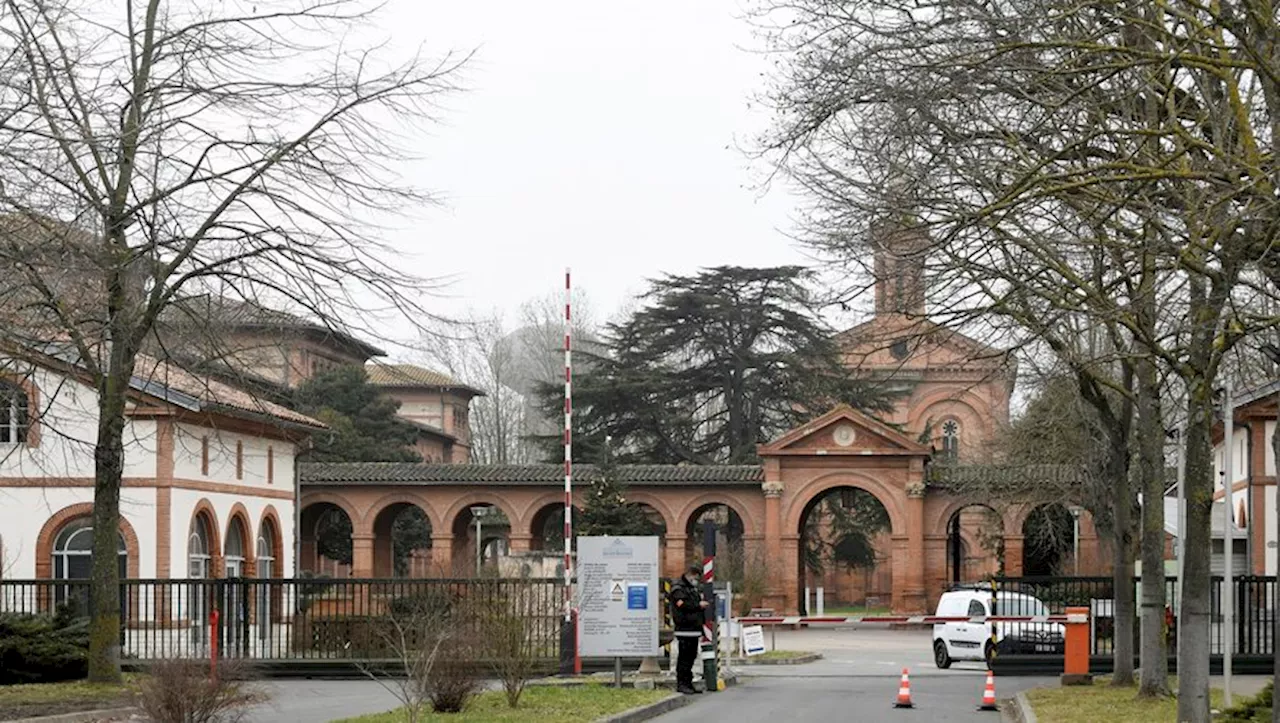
[
  {"x": 213, "y": 644},
  {"x": 1075, "y": 669}
]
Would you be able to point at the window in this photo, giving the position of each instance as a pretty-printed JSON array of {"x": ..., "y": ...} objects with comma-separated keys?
[
  {"x": 14, "y": 414},
  {"x": 198, "y": 569},
  {"x": 239, "y": 460},
  {"x": 271, "y": 465},
  {"x": 977, "y": 609},
  {"x": 198, "y": 549},
  {"x": 234, "y": 557},
  {"x": 950, "y": 439},
  {"x": 899, "y": 349},
  {"x": 266, "y": 551},
  {"x": 204, "y": 456},
  {"x": 73, "y": 560},
  {"x": 73, "y": 551}
]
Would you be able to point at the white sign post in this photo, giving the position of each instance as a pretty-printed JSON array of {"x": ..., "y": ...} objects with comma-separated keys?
[{"x": 619, "y": 609}]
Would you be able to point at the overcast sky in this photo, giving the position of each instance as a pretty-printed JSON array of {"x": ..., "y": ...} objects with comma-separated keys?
[{"x": 606, "y": 136}]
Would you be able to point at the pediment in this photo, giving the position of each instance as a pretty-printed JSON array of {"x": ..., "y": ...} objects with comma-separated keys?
[
  {"x": 844, "y": 431},
  {"x": 926, "y": 345}
]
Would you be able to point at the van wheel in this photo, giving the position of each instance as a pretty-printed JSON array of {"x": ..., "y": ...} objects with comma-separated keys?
[{"x": 940, "y": 656}]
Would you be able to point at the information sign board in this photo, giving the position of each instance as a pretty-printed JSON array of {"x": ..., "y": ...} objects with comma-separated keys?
[
  {"x": 752, "y": 639},
  {"x": 618, "y": 606}
]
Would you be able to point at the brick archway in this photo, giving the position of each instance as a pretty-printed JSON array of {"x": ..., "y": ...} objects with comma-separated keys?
[
  {"x": 810, "y": 493},
  {"x": 405, "y": 498},
  {"x": 750, "y": 526},
  {"x": 60, "y": 519}
]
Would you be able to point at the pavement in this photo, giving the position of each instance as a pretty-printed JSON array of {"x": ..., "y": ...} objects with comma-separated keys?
[
  {"x": 315, "y": 701},
  {"x": 857, "y": 679}
]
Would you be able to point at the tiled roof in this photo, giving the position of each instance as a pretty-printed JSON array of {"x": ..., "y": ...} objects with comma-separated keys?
[
  {"x": 161, "y": 379},
  {"x": 410, "y": 375},
  {"x": 401, "y": 473},
  {"x": 181, "y": 388},
  {"x": 210, "y": 309},
  {"x": 995, "y": 476}
]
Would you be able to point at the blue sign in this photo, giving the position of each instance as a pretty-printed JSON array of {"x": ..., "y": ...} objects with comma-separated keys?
[{"x": 637, "y": 596}]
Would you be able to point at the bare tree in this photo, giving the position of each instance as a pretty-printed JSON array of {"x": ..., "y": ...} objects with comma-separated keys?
[
  {"x": 153, "y": 151},
  {"x": 1064, "y": 155},
  {"x": 481, "y": 352}
]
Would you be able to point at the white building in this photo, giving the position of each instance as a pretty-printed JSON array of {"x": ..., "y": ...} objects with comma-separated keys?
[
  {"x": 208, "y": 489},
  {"x": 1253, "y": 484}
]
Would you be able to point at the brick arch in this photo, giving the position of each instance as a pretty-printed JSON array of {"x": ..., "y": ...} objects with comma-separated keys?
[
  {"x": 531, "y": 512},
  {"x": 1016, "y": 518},
  {"x": 26, "y": 384},
  {"x": 248, "y": 540},
  {"x": 939, "y": 526},
  {"x": 660, "y": 505},
  {"x": 71, "y": 513},
  {"x": 272, "y": 518},
  {"x": 480, "y": 498},
  {"x": 749, "y": 526},
  {"x": 342, "y": 503},
  {"x": 402, "y": 497},
  {"x": 936, "y": 402},
  {"x": 890, "y": 497}
]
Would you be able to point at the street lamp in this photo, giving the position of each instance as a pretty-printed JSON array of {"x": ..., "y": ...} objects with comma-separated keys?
[
  {"x": 1075, "y": 511},
  {"x": 479, "y": 512}
]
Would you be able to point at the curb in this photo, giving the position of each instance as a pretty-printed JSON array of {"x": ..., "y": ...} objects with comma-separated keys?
[
  {"x": 1019, "y": 710},
  {"x": 798, "y": 660},
  {"x": 653, "y": 710},
  {"x": 84, "y": 716}
]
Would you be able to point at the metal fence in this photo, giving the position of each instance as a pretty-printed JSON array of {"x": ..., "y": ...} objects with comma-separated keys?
[
  {"x": 300, "y": 620},
  {"x": 1254, "y": 601}
]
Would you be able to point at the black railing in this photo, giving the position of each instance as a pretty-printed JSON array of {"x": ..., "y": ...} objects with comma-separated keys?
[
  {"x": 312, "y": 619},
  {"x": 1254, "y": 602}
]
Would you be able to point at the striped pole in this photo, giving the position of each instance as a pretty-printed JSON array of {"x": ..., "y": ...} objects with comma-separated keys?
[
  {"x": 570, "y": 623},
  {"x": 568, "y": 450}
]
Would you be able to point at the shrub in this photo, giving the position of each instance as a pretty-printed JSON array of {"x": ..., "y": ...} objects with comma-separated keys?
[
  {"x": 181, "y": 691},
  {"x": 43, "y": 648},
  {"x": 1255, "y": 709},
  {"x": 453, "y": 680},
  {"x": 510, "y": 646}
]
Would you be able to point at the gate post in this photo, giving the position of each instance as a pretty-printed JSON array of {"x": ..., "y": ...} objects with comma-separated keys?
[{"x": 1075, "y": 669}]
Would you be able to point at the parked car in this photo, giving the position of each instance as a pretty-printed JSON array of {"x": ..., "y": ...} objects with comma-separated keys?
[{"x": 972, "y": 641}]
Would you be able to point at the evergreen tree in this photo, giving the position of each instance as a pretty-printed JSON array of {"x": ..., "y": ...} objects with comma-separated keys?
[
  {"x": 362, "y": 421},
  {"x": 607, "y": 511},
  {"x": 362, "y": 428},
  {"x": 713, "y": 365}
]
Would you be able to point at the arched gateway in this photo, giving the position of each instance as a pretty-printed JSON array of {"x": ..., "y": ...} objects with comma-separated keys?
[{"x": 839, "y": 457}]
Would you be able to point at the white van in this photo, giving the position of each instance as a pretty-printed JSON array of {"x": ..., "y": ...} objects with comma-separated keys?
[{"x": 972, "y": 641}]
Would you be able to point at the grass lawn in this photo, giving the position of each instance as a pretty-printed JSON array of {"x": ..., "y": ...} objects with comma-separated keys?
[
  {"x": 40, "y": 699},
  {"x": 545, "y": 704},
  {"x": 1101, "y": 702}
]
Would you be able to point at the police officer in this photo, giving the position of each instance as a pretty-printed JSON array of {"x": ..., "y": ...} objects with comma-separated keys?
[{"x": 687, "y": 615}]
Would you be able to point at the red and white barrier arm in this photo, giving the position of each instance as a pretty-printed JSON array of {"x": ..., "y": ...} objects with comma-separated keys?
[{"x": 911, "y": 619}]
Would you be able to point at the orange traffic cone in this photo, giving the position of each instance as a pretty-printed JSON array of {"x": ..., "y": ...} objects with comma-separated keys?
[
  {"x": 989, "y": 694},
  {"x": 904, "y": 692}
]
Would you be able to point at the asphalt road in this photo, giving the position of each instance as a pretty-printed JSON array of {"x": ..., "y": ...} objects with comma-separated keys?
[{"x": 857, "y": 680}]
